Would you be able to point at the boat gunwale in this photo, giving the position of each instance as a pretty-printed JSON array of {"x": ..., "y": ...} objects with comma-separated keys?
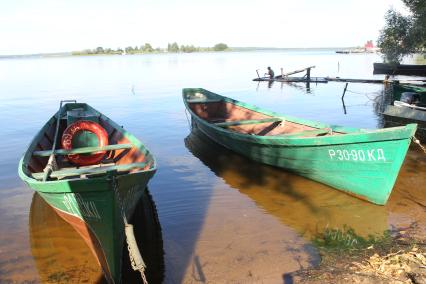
[
  {"x": 354, "y": 135},
  {"x": 31, "y": 148},
  {"x": 416, "y": 115}
]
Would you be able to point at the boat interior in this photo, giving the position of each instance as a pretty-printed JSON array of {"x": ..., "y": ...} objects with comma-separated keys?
[
  {"x": 119, "y": 155},
  {"x": 242, "y": 120}
]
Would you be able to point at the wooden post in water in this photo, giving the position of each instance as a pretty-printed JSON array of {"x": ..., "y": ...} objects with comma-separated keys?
[
  {"x": 344, "y": 91},
  {"x": 308, "y": 74},
  {"x": 343, "y": 100}
]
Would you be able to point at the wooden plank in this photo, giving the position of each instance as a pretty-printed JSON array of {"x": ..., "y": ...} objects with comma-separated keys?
[
  {"x": 83, "y": 150},
  {"x": 294, "y": 79},
  {"x": 296, "y": 71},
  {"x": 244, "y": 122},
  {"x": 90, "y": 171},
  {"x": 308, "y": 132},
  {"x": 202, "y": 101}
]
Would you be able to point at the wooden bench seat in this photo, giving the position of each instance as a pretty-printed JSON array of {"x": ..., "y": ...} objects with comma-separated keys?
[
  {"x": 314, "y": 132},
  {"x": 83, "y": 150},
  {"x": 202, "y": 101},
  {"x": 90, "y": 170},
  {"x": 246, "y": 122}
]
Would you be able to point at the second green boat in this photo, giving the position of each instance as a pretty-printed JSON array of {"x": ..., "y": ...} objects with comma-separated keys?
[{"x": 364, "y": 163}]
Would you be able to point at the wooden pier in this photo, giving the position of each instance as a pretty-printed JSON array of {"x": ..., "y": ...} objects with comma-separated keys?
[
  {"x": 285, "y": 77},
  {"x": 293, "y": 79}
]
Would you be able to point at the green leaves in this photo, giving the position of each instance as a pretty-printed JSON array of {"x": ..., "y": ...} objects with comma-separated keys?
[
  {"x": 220, "y": 47},
  {"x": 404, "y": 35}
]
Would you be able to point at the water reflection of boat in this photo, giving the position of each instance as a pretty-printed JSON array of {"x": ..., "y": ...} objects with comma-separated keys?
[
  {"x": 61, "y": 255},
  {"x": 364, "y": 163},
  {"x": 93, "y": 188},
  {"x": 306, "y": 206}
]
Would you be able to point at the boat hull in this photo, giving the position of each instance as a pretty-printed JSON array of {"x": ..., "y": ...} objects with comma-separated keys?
[
  {"x": 95, "y": 199},
  {"x": 368, "y": 171},
  {"x": 91, "y": 208},
  {"x": 400, "y": 116},
  {"x": 399, "y": 69},
  {"x": 362, "y": 164},
  {"x": 398, "y": 89}
]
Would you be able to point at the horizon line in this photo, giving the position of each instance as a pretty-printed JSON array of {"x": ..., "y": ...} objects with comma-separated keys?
[{"x": 59, "y": 53}]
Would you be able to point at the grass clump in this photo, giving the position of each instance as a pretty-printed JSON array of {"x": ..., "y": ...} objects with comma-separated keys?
[{"x": 346, "y": 239}]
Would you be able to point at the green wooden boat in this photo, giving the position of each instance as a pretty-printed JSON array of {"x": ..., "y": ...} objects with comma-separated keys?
[
  {"x": 95, "y": 199},
  {"x": 402, "y": 115},
  {"x": 409, "y": 106},
  {"x": 398, "y": 89},
  {"x": 364, "y": 163}
]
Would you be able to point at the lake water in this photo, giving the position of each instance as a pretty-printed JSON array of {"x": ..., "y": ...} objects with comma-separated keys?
[{"x": 223, "y": 218}]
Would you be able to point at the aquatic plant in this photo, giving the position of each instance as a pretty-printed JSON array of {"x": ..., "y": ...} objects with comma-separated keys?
[{"x": 346, "y": 239}]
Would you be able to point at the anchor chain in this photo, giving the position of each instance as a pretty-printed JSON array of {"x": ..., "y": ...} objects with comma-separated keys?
[
  {"x": 417, "y": 141},
  {"x": 136, "y": 259}
]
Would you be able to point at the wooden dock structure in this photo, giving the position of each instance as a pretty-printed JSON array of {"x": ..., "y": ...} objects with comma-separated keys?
[{"x": 285, "y": 77}]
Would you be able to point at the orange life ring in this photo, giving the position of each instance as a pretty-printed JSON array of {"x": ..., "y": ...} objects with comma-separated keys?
[{"x": 81, "y": 125}]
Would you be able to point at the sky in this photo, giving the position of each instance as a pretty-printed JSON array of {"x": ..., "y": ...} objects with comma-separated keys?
[{"x": 44, "y": 26}]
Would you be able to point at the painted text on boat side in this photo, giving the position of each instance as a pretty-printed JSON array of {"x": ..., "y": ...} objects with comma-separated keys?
[
  {"x": 357, "y": 155},
  {"x": 77, "y": 206}
]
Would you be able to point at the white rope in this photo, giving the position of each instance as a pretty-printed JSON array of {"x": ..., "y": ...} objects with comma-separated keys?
[
  {"x": 135, "y": 256},
  {"x": 417, "y": 141},
  {"x": 187, "y": 119}
]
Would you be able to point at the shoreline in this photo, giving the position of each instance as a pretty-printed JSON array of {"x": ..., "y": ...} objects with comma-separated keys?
[
  {"x": 230, "y": 49},
  {"x": 397, "y": 258}
]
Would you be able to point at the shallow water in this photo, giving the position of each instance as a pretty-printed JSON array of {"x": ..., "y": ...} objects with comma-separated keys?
[{"x": 223, "y": 217}]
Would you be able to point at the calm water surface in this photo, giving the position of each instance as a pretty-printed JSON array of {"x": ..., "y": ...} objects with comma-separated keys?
[{"x": 223, "y": 218}]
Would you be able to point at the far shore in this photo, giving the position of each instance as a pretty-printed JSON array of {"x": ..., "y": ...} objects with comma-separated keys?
[{"x": 231, "y": 49}]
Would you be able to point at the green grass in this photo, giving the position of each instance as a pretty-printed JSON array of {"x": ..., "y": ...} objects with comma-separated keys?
[
  {"x": 420, "y": 59},
  {"x": 346, "y": 239}
]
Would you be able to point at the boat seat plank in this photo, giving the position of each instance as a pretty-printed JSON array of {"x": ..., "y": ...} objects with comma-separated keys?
[
  {"x": 250, "y": 121},
  {"x": 308, "y": 133},
  {"x": 202, "y": 101},
  {"x": 82, "y": 150},
  {"x": 90, "y": 171}
]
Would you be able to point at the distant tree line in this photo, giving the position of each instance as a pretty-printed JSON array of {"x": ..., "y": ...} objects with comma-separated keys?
[
  {"x": 174, "y": 47},
  {"x": 147, "y": 48}
]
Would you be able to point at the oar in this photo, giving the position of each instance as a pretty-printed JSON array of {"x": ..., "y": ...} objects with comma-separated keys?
[{"x": 51, "y": 163}]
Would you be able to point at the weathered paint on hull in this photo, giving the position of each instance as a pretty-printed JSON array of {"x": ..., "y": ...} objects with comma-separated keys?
[{"x": 362, "y": 163}]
